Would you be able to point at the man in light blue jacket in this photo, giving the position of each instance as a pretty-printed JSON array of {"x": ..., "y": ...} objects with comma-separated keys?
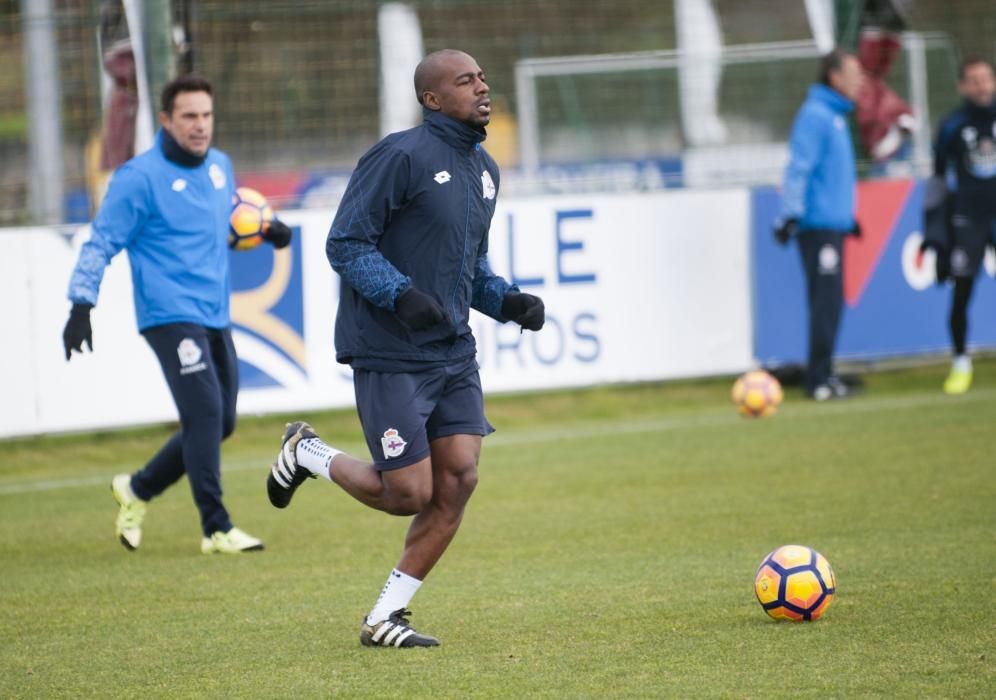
[
  {"x": 818, "y": 201},
  {"x": 169, "y": 209}
]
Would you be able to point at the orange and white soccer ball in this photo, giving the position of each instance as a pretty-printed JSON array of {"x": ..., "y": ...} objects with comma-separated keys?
[
  {"x": 757, "y": 394},
  {"x": 795, "y": 583},
  {"x": 250, "y": 217}
]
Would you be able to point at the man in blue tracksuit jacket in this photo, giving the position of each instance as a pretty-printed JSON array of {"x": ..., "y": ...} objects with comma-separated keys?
[
  {"x": 410, "y": 242},
  {"x": 818, "y": 208},
  {"x": 169, "y": 208},
  {"x": 960, "y": 202}
]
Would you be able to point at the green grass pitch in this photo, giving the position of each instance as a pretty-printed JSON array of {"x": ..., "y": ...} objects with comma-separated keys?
[{"x": 608, "y": 552}]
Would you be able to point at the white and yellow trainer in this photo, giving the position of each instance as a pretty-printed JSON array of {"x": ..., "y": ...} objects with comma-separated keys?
[
  {"x": 128, "y": 526},
  {"x": 234, "y": 541},
  {"x": 960, "y": 378}
]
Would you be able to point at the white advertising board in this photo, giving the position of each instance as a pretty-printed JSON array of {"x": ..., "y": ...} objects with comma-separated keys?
[{"x": 637, "y": 287}]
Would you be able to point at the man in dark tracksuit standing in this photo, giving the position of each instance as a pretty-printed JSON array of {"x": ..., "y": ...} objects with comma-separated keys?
[
  {"x": 818, "y": 201},
  {"x": 960, "y": 202},
  {"x": 410, "y": 242}
]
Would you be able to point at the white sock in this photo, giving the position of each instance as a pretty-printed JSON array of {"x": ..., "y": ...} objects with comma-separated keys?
[
  {"x": 397, "y": 593},
  {"x": 962, "y": 363},
  {"x": 316, "y": 456}
]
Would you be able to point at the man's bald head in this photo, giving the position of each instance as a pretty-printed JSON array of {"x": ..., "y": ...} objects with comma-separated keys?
[
  {"x": 451, "y": 82},
  {"x": 431, "y": 70}
]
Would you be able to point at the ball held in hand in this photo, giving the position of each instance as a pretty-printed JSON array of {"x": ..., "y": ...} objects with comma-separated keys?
[{"x": 250, "y": 217}]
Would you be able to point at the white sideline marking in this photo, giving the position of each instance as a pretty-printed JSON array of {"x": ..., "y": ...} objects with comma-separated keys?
[{"x": 796, "y": 411}]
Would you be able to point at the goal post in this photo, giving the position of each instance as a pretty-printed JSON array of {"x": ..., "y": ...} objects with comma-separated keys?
[{"x": 917, "y": 49}]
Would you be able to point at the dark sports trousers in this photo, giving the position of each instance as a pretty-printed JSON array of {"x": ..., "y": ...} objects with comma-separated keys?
[
  {"x": 970, "y": 237},
  {"x": 823, "y": 262},
  {"x": 202, "y": 372}
]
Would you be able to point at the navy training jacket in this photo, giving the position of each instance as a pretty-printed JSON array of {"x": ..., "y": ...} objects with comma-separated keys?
[
  {"x": 416, "y": 212},
  {"x": 965, "y": 156}
]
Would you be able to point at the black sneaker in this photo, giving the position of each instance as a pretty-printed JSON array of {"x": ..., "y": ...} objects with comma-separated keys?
[
  {"x": 286, "y": 474},
  {"x": 394, "y": 632}
]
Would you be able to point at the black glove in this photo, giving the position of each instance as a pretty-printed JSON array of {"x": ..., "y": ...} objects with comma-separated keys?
[
  {"x": 856, "y": 230},
  {"x": 525, "y": 309},
  {"x": 786, "y": 230},
  {"x": 943, "y": 264},
  {"x": 418, "y": 310},
  {"x": 78, "y": 330},
  {"x": 278, "y": 234}
]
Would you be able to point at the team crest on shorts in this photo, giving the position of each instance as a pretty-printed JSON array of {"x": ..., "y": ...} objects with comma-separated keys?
[
  {"x": 959, "y": 261},
  {"x": 393, "y": 443}
]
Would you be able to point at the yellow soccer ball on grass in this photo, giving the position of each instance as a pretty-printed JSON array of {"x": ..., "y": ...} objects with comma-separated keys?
[
  {"x": 795, "y": 583},
  {"x": 757, "y": 394}
]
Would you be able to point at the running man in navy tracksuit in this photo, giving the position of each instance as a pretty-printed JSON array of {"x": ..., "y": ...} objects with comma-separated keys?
[
  {"x": 818, "y": 208},
  {"x": 960, "y": 202},
  {"x": 410, "y": 243},
  {"x": 169, "y": 208}
]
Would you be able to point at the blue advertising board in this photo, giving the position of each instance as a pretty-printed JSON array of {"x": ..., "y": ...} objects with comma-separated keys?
[
  {"x": 268, "y": 314},
  {"x": 893, "y": 306}
]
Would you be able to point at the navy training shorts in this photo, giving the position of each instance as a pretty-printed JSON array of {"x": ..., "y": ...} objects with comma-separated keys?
[
  {"x": 969, "y": 245},
  {"x": 402, "y": 412}
]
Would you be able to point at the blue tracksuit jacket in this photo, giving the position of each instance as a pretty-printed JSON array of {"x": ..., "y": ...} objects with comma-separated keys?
[
  {"x": 173, "y": 222},
  {"x": 820, "y": 179},
  {"x": 416, "y": 212}
]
